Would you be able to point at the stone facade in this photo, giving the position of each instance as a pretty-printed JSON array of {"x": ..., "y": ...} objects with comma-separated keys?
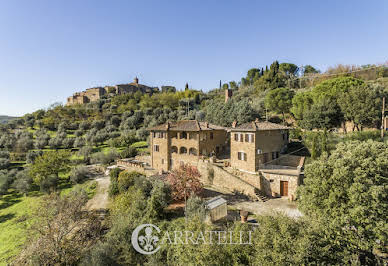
[
  {"x": 94, "y": 94},
  {"x": 254, "y": 155},
  {"x": 257, "y": 143},
  {"x": 182, "y": 141}
]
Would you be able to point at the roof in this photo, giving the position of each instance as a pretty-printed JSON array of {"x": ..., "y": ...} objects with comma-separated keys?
[
  {"x": 215, "y": 202},
  {"x": 186, "y": 125},
  {"x": 256, "y": 126}
]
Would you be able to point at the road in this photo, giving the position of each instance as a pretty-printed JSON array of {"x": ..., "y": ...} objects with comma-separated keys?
[{"x": 101, "y": 198}]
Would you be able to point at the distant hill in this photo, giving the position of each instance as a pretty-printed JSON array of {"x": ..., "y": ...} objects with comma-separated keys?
[{"x": 5, "y": 118}]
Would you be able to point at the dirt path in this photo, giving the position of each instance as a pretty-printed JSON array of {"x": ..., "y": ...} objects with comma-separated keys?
[{"x": 100, "y": 199}]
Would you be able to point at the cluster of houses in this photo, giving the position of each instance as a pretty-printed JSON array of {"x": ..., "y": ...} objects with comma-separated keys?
[{"x": 254, "y": 150}]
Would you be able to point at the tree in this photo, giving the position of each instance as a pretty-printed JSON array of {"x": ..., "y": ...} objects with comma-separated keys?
[
  {"x": 64, "y": 230},
  {"x": 23, "y": 181},
  {"x": 361, "y": 104},
  {"x": 289, "y": 69},
  {"x": 184, "y": 181},
  {"x": 279, "y": 100},
  {"x": 49, "y": 165},
  {"x": 308, "y": 69},
  {"x": 225, "y": 86},
  {"x": 325, "y": 114},
  {"x": 347, "y": 192}
]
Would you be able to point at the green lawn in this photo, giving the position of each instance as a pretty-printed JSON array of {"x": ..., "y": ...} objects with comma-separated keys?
[{"x": 16, "y": 217}]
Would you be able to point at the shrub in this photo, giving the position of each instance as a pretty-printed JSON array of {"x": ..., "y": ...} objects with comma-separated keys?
[
  {"x": 23, "y": 181},
  {"x": 127, "y": 179},
  {"x": 195, "y": 207},
  {"x": 4, "y": 154},
  {"x": 68, "y": 142},
  {"x": 114, "y": 174},
  {"x": 49, "y": 183},
  {"x": 32, "y": 155},
  {"x": 128, "y": 152},
  {"x": 103, "y": 158},
  {"x": 4, "y": 163},
  {"x": 79, "y": 174}
]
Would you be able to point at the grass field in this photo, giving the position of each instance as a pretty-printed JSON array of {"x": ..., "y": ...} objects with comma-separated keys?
[{"x": 16, "y": 217}]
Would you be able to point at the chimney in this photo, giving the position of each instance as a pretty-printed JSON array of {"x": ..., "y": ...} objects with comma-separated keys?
[
  {"x": 206, "y": 124},
  {"x": 234, "y": 124},
  {"x": 228, "y": 95}
]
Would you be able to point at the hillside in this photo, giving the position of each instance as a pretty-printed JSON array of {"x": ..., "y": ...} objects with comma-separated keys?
[{"x": 5, "y": 118}]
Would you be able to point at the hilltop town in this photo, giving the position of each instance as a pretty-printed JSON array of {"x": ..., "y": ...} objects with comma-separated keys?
[{"x": 96, "y": 93}]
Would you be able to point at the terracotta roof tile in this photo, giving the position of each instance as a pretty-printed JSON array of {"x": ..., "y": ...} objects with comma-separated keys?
[
  {"x": 186, "y": 125},
  {"x": 254, "y": 126}
]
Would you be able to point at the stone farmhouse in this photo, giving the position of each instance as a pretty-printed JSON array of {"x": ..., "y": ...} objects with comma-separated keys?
[
  {"x": 183, "y": 141},
  {"x": 246, "y": 158},
  {"x": 254, "y": 144},
  {"x": 94, "y": 94}
]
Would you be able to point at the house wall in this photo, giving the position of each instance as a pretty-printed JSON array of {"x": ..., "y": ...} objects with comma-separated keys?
[
  {"x": 241, "y": 146},
  {"x": 271, "y": 183},
  {"x": 160, "y": 159},
  {"x": 209, "y": 145}
]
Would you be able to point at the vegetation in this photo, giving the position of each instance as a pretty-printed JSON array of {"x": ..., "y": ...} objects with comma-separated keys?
[{"x": 343, "y": 196}]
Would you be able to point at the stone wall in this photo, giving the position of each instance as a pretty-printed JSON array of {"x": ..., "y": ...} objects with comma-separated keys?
[
  {"x": 271, "y": 184},
  {"x": 288, "y": 160}
]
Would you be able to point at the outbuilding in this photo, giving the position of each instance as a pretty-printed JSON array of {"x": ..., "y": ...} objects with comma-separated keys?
[{"x": 217, "y": 208}]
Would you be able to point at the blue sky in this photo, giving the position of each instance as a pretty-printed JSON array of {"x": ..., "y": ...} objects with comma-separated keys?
[{"x": 50, "y": 49}]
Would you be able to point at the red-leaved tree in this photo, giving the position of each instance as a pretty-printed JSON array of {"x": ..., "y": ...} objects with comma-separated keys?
[{"x": 184, "y": 182}]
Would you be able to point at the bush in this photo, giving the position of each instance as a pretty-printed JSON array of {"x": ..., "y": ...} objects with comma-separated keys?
[
  {"x": 79, "y": 174},
  {"x": 23, "y": 181},
  {"x": 195, "y": 207},
  {"x": 4, "y": 163},
  {"x": 113, "y": 188},
  {"x": 114, "y": 174},
  {"x": 127, "y": 179},
  {"x": 49, "y": 183},
  {"x": 68, "y": 142},
  {"x": 4, "y": 154},
  {"x": 128, "y": 152},
  {"x": 32, "y": 155},
  {"x": 103, "y": 158}
]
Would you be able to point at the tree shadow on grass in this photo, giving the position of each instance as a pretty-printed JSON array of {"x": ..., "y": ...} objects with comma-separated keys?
[
  {"x": 9, "y": 200},
  {"x": 6, "y": 217}
]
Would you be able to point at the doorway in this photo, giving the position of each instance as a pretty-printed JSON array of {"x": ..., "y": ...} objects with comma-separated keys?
[{"x": 283, "y": 188}]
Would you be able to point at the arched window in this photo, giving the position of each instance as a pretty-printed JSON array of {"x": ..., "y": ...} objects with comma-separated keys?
[
  {"x": 193, "y": 151},
  {"x": 174, "y": 149},
  {"x": 182, "y": 150}
]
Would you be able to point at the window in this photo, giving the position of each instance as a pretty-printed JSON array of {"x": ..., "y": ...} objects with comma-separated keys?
[
  {"x": 275, "y": 155},
  {"x": 259, "y": 151},
  {"x": 174, "y": 149},
  {"x": 193, "y": 151},
  {"x": 156, "y": 148},
  {"x": 235, "y": 137},
  {"x": 183, "y": 135},
  {"x": 211, "y": 135},
  {"x": 242, "y": 156},
  {"x": 182, "y": 150},
  {"x": 241, "y": 137}
]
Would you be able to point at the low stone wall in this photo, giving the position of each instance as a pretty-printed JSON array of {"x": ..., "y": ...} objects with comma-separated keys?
[{"x": 288, "y": 160}]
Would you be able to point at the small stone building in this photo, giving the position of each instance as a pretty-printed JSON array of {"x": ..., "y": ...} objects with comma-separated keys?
[
  {"x": 217, "y": 208},
  {"x": 185, "y": 141},
  {"x": 256, "y": 143}
]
